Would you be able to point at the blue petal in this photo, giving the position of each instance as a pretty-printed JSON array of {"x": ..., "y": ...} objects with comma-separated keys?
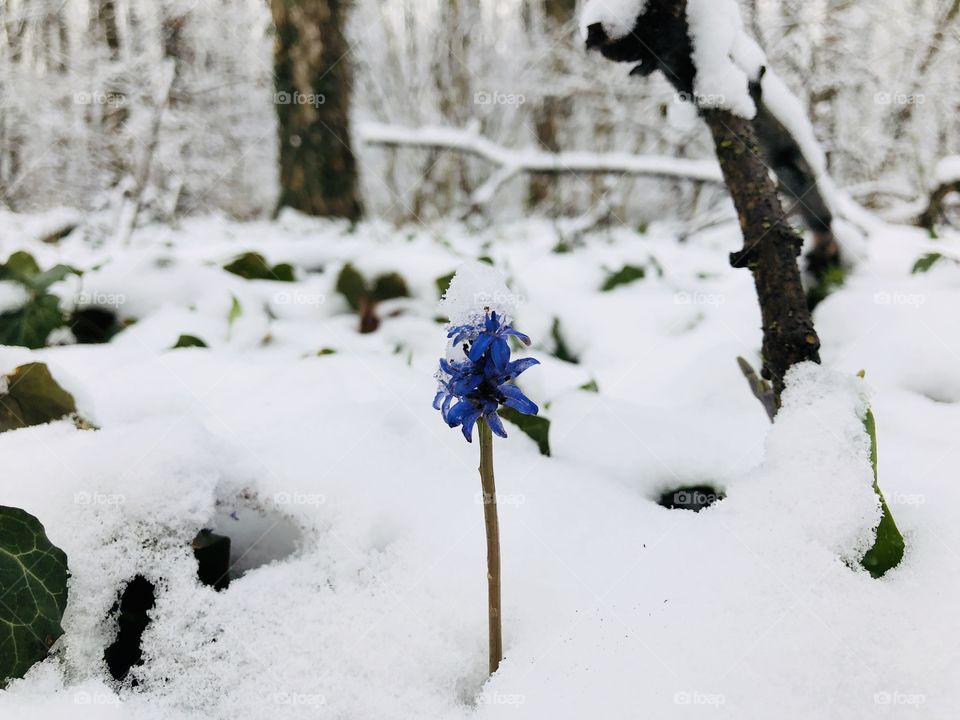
[
  {"x": 467, "y": 384},
  {"x": 500, "y": 354},
  {"x": 479, "y": 346},
  {"x": 439, "y": 396},
  {"x": 445, "y": 408},
  {"x": 496, "y": 425},
  {"x": 518, "y": 366},
  {"x": 468, "y": 424},
  {"x": 525, "y": 339},
  {"x": 517, "y": 400},
  {"x": 460, "y": 411}
]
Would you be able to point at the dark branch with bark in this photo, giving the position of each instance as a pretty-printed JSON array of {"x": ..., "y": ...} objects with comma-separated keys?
[{"x": 661, "y": 41}]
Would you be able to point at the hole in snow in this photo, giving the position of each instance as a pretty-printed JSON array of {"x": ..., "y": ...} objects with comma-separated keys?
[
  {"x": 690, "y": 497},
  {"x": 212, "y": 552},
  {"x": 254, "y": 536},
  {"x": 131, "y": 611}
]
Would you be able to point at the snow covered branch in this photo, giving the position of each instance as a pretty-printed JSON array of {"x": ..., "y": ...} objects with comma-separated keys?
[
  {"x": 511, "y": 162},
  {"x": 948, "y": 181}
]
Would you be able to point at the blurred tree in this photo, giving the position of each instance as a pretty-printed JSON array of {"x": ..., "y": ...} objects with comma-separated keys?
[{"x": 318, "y": 170}]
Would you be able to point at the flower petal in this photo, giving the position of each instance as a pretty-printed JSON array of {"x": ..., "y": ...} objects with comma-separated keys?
[
  {"x": 460, "y": 411},
  {"x": 479, "y": 346},
  {"x": 500, "y": 354},
  {"x": 525, "y": 339},
  {"x": 517, "y": 400},
  {"x": 495, "y": 423},
  {"x": 468, "y": 424},
  {"x": 466, "y": 384},
  {"x": 518, "y": 366}
]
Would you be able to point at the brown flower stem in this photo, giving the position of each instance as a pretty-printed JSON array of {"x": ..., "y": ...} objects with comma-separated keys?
[{"x": 493, "y": 544}]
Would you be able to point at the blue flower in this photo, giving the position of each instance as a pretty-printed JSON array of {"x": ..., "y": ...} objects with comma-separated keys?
[{"x": 477, "y": 386}]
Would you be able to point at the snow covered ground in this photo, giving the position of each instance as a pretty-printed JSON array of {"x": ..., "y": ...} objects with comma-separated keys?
[{"x": 335, "y": 467}]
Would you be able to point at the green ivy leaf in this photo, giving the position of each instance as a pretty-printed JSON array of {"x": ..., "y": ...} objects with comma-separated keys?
[
  {"x": 443, "y": 283},
  {"x": 590, "y": 386},
  {"x": 19, "y": 265},
  {"x": 561, "y": 350},
  {"x": 926, "y": 262},
  {"x": 236, "y": 311},
  {"x": 888, "y": 548},
  {"x": 389, "y": 286},
  {"x": 352, "y": 285},
  {"x": 31, "y": 325},
  {"x": 33, "y": 575},
  {"x": 624, "y": 276},
  {"x": 33, "y": 397},
  {"x": 254, "y": 266},
  {"x": 536, "y": 427},
  {"x": 283, "y": 272},
  {"x": 189, "y": 341}
]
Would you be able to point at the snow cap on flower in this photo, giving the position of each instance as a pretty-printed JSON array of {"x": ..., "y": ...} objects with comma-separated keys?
[{"x": 476, "y": 289}]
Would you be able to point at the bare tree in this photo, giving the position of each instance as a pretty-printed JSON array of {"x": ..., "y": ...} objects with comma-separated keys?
[{"x": 318, "y": 170}]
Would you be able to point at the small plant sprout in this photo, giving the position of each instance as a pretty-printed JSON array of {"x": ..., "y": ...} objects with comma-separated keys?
[{"x": 476, "y": 379}]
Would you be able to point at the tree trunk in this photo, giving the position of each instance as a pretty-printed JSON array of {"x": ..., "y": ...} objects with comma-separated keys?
[
  {"x": 105, "y": 26},
  {"x": 661, "y": 41},
  {"x": 770, "y": 248},
  {"x": 318, "y": 171}
]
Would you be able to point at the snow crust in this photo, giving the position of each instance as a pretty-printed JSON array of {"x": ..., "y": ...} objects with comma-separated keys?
[
  {"x": 617, "y": 17},
  {"x": 371, "y": 602}
]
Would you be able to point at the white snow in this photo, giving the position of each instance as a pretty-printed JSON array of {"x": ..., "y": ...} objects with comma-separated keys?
[
  {"x": 617, "y": 17},
  {"x": 948, "y": 170},
  {"x": 365, "y": 597},
  {"x": 13, "y": 296},
  {"x": 725, "y": 57},
  {"x": 476, "y": 288}
]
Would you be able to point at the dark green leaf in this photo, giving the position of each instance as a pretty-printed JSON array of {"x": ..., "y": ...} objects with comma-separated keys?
[
  {"x": 283, "y": 272},
  {"x": 33, "y": 397},
  {"x": 33, "y": 576},
  {"x": 20, "y": 264},
  {"x": 253, "y": 266},
  {"x": 443, "y": 282},
  {"x": 590, "y": 387},
  {"x": 888, "y": 548},
  {"x": 561, "y": 350},
  {"x": 926, "y": 262},
  {"x": 389, "y": 286},
  {"x": 352, "y": 285},
  {"x": 31, "y": 325},
  {"x": 189, "y": 341},
  {"x": 624, "y": 276},
  {"x": 537, "y": 428},
  {"x": 44, "y": 280}
]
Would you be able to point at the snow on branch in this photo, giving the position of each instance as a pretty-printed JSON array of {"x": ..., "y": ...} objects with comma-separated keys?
[
  {"x": 511, "y": 162},
  {"x": 947, "y": 177}
]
